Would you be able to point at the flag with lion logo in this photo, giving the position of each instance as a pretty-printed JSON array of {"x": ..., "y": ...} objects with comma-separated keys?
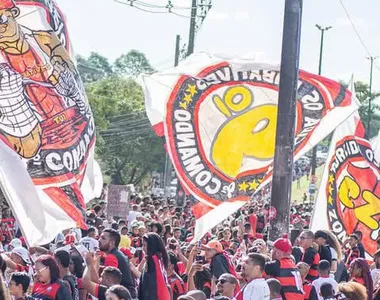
[
  {"x": 219, "y": 116},
  {"x": 47, "y": 132}
]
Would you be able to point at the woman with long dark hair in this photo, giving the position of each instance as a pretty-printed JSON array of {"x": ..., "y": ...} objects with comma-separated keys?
[
  {"x": 154, "y": 282},
  {"x": 359, "y": 272},
  {"x": 48, "y": 284}
]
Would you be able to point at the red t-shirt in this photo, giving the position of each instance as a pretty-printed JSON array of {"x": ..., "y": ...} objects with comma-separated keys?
[{"x": 253, "y": 222}]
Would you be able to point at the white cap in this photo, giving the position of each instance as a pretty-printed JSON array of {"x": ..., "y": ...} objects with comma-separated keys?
[
  {"x": 15, "y": 243},
  {"x": 23, "y": 253}
]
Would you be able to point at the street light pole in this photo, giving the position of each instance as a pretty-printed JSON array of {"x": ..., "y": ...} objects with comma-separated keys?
[
  {"x": 193, "y": 24},
  {"x": 371, "y": 58},
  {"x": 322, "y": 29}
]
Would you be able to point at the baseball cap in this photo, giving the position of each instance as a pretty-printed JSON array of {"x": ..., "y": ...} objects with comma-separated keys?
[
  {"x": 216, "y": 245},
  {"x": 134, "y": 224},
  {"x": 284, "y": 245},
  {"x": 23, "y": 253},
  {"x": 141, "y": 225},
  {"x": 70, "y": 239}
]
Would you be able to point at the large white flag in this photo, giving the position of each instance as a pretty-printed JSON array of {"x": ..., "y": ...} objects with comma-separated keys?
[
  {"x": 219, "y": 116},
  {"x": 349, "y": 195},
  {"x": 47, "y": 131}
]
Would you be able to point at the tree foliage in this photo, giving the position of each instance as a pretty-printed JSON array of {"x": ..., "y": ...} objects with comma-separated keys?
[
  {"x": 127, "y": 147},
  {"x": 363, "y": 95},
  {"x": 132, "y": 64}
]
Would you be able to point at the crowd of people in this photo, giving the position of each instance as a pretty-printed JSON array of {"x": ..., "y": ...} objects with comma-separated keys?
[{"x": 150, "y": 255}]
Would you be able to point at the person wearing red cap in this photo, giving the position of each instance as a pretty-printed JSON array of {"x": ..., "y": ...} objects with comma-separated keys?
[{"x": 284, "y": 270}]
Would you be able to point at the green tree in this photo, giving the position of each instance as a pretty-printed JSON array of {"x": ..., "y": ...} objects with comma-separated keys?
[
  {"x": 94, "y": 68},
  {"x": 363, "y": 95},
  {"x": 127, "y": 147},
  {"x": 132, "y": 64}
]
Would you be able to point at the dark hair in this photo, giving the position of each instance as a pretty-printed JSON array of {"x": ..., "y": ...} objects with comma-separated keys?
[
  {"x": 3, "y": 265},
  {"x": 176, "y": 229},
  {"x": 321, "y": 234},
  {"x": 120, "y": 291},
  {"x": 114, "y": 226},
  {"x": 21, "y": 278},
  {"x": 121, "y": 222},
  {"x": 257, "y": 259},
  {"x": 324, "y": 266},
  {"x": 114, "y": 273},
  {"x": 50, "y": 262},
  {"x": 123, "y": 228},
  {"x": 326, "y": 290},
  {"x": 159, "y": 227},
  {"x": 90, "y": 230},
  {"x": 168, "y": 229},
  {"x": 174, "y": 261},
  {"x": 274, "y": 286},
  {"x": 97, "y": 208},
  {"x": 78, "y": 265},
  {"x": 156, "y": 246},
  {"x": 114, "y": 235},
  {"x": 354, "y": 236},
  {"x": 63, "y": 258},
  {"x": 359, "y": 234},
  {"x": 247, "y": 226},
  {"x": 375, "y": 257}
]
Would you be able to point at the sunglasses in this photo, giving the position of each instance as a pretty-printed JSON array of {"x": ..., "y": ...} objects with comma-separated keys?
[{"x": 222, "y": 281}]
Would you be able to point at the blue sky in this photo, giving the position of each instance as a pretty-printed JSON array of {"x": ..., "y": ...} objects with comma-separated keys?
[{"x": 241, "y": 27}]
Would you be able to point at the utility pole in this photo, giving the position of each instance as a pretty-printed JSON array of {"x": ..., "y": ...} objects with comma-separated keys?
[
  {"x": 371, "y": 58},
  {"x": 322, "y": 29},
  {"x": 168, "y": 162},
  {"x": 193, "y": 23},
  {"x": 286, "y": 116}
]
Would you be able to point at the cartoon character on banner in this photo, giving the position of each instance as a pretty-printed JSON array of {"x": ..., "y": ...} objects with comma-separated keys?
[
  {"x": 39, "y": 96},
  {"x": 353, "y": 192}
]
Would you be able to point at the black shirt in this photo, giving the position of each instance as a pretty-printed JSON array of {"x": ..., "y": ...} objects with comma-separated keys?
[
  {"x": 361, "y": 250},
  {"x": 219, "y": 266},
  {"x": 72, "y": 282},
  {"x": 101, "y": 292}
]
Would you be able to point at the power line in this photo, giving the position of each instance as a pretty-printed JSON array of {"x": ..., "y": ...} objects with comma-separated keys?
[
  {"x": 357, "y": 32},
  {"x": 354, "y": 27},
  {"x": 146, "y": 7}
]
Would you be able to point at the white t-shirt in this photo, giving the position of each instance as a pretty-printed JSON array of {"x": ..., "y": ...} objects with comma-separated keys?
[
  {"x": 334, "y": 254},
  {"x": 257, "y": 289},
  {"x": 131, "y": 217},
  {"x": 89, "y": 243},
  {"x": 375, "y": 274},
  {"x": 321, "y": 280}
]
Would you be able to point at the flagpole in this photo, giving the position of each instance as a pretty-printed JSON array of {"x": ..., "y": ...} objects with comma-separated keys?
[{"x": 283, "y": 160}]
